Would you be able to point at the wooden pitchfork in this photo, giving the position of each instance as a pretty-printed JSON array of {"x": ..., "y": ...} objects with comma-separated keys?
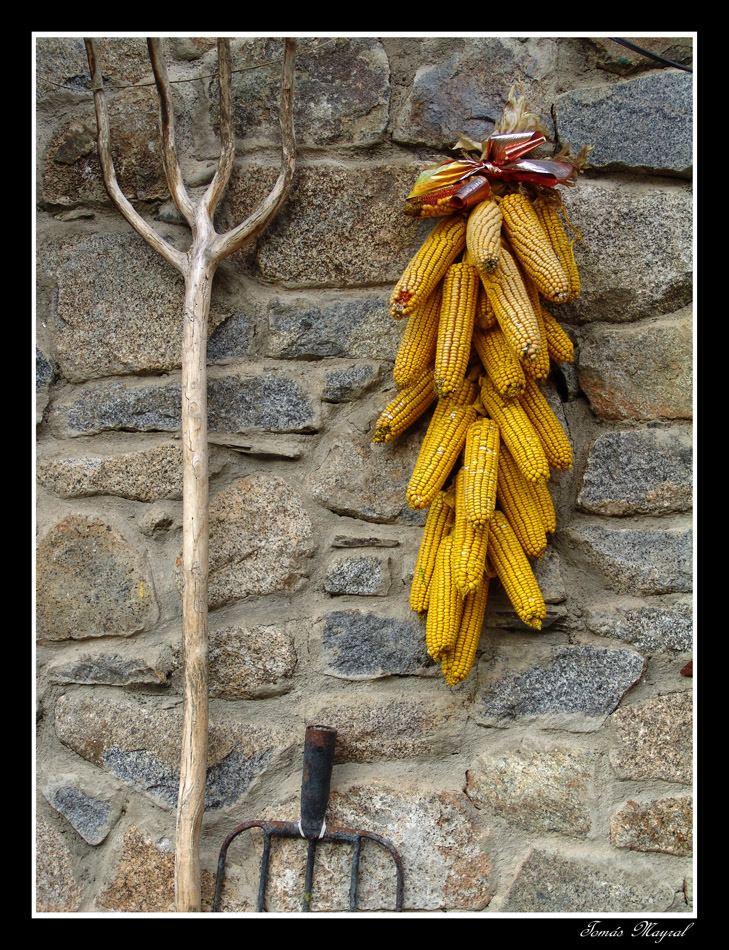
[{"x": 197, "y": 266}]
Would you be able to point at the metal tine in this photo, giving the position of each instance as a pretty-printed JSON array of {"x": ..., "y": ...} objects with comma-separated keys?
[{"x": 354, "y": 881}]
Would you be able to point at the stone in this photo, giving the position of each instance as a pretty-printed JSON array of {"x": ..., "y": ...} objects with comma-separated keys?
[
  {"x": 551, "y": 883},
  {"x": 91, "y": 582},
  {"x": 137, "y": 740},
  {"x": 453, "y": 93},
  {"x": 353, "y": 477},
  {"x": 251, "y": 662},
  {"x": 365, "y": 576},
  {"x": 642, "y": 372},
  {"x": 119, "y": 309},
  {"x": 143, "y": 879},
  {"x": 664, "y": 825},
  {"x": 270, "y": 401},
  {"x": 111, "y": 669},
  {"x": 90, "y": 814},
  {"x": 537, "y": 790},
  {"x": 575, "y": 687},
  {"x": 663, "y": 628},
  {"x": 56, "y": 887},
  {"x": 342, "y": 92},
  {"x": 638, "y": 471},
  {"x": 332, "y": 232},
  {"x": 360, "y": 645},
  {"x": 347, "y": 385},
  {"x": 261, "y": 538},
  {"x": 640, "y": 124},
  {"x": 642, "y": 560},
  {"x": 359, "y": 327},
  {"x": 232, "y": 339},
  {"x": 636, "y": 254},
  {"x": 373, "y": 728},
  {"x": 146, "y": 475},
  {"x": 653, "y": 739}
]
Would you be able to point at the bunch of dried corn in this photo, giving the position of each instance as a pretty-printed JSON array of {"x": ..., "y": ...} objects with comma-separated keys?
[{"x": 478, "y": 342}]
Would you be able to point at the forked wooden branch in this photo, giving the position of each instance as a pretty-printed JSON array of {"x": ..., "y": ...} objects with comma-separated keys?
[{"x": 198, "y": 266}]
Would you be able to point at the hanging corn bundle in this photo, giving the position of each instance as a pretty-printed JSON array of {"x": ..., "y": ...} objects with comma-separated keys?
[{"x": 478, "y": 342}]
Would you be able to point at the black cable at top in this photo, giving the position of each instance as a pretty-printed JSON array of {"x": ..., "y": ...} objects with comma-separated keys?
[{"x": 645, "y": 52}]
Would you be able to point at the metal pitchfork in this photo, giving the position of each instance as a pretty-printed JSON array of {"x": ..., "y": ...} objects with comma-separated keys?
[{"x": 315, "y": 781}]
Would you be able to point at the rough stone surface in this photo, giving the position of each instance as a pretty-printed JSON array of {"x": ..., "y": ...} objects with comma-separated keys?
[
  {"x": 366, "y": 576},
  {"x": 232, "y": 339},
  {"x": 373, "y": 728},
  {"x": 636, "y": 560},
  {"x": 72, "y": 173},
  {"x": 641, "y": 372},
  {"x": 260, "y": 539},
  {"x": 654, "y": 739},
  {"x": 666, "y": 628},
  {"x": 90, "y": 582},
  {"x": 454, "y": 93},
  {"x": 613, "y": 118},
  {"x": 119, "y": 310},
  {"x": 664, "y": 825},
  {"x": 638, "y": 471},
  {"x": 443, "y": 846},
  {"x": 57, "y": 890},
  {"x": 249, "y": 662},
  {"x": 92, "y": 817},
  {"x": 539, "y": 790},
  {"x": 144, "y": 878},
  {"x": 348, "y": 384},
  {"x": 577, "y": 687},
  {"x": 146, "y": 475},
  {"x": 635, "y": 256},
  {"x": 342, "y": 91},
  {"x": 356, "y": 478},
  {"x": 551, "y": 883},
  {"x": 361, "y": 645},
  {"x": 138, "y": 742},
  {"x": 268, "y": 400},
  {"x": 331, "y": 233},
  {"x": 112, "y": 669},
  {"x": 360, "y": 327}
]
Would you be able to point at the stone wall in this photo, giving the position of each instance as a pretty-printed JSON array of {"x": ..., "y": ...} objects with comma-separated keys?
[{"x": 558, "y": 776}]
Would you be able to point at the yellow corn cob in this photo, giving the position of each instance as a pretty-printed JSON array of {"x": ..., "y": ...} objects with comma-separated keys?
[
  {"x": 446, "y": 604},
  {"x": 455, "y": 327},
  {"x": 426, "y": 268},
  {"x": 437, "y": 525},
  {"x": 560, "y": 347},
  {"x": 502, "y": 366},
  {"x": 516, "y": 431},
  {"x": 480, "y": 468},
  {"x": 533, "y": 247},
  {"x": 405, "y": 408},
  {"x": 548, "y": 212},
  {"x": 514, "y": 571},
  {"x": 483, "y": 235},
  {"x": 512, "y": 306},
  {"x": 468, "y": 549},
  {"x": 417, "y": 346},
  {"x": 485, "y": 314},
  {"x": 518, "y": 503},
  {"x": 456, "y": 662},
  {"x": 539, "y": 367},
  {"x": 554, "y": 439},
  {"x": 545, "y": 505},
  {"x": 439, "y": 451}
]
